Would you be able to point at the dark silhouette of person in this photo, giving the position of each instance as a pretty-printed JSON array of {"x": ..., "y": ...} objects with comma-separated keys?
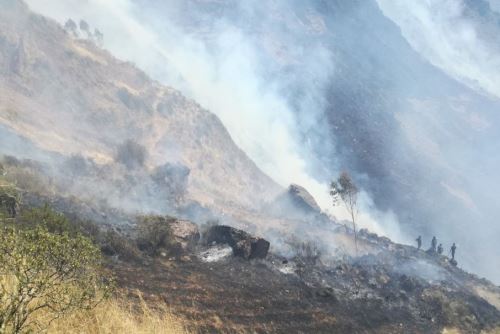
[
  {"x": 440, "y": 249},
  {"x": 419, "y": 241},
  {"x": 453, "y": 250},
  {"x": 434, "y": 244}
]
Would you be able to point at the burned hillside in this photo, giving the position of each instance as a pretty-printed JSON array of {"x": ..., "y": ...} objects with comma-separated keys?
[
  {"x": 180, "y": 218},
  {"x": 222, "y": 279}
]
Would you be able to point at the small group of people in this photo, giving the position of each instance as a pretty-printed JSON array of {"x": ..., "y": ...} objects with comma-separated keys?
[{"x": 435, "y": 248}]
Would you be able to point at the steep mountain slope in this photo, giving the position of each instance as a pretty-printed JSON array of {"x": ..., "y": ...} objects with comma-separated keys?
[
  {"x": 69, "y": 97},
  {"x": 419, "y": 139},
  {"x": 71, "y": 105}
]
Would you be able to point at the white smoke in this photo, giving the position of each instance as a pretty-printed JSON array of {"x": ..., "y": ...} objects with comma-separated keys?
[
  {"x": 225, "y": 77},
  {"x": 443, "y": 33},
  {"x": 495, "y": 5},
  {"x": 457, "y": 129},
  {"x": 225, "y": 81}
]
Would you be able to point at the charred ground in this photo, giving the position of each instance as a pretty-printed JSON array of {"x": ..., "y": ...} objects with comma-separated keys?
[
  {"x": 387, "y": 288},
  {"x": 363, "y": 295}
]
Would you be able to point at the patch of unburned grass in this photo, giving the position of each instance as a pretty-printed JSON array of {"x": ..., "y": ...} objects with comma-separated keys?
[{"x": 119, "y": 315}]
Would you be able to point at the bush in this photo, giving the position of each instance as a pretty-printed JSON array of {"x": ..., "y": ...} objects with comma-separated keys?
[
  {"x": 113, "y": 243},
  {"x": 52, "y": 221},
  {"x": 43, "y": 271},
  {"x": 110, "y": 242},
  {"x": 174, "y": 178},
  {"x": 77, "y": 166},
  {"x": 131, "y": 154},
  {"x": 9, "y": 200},
  {"x": 154, "y": 234},
  {"x": 25, "y": 175},
  {"x": 305, "y": 251},
  {"x": 11, "y": 160}
]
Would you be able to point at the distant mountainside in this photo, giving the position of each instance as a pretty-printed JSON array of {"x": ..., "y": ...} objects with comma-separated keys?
[{"x": 69, "y": 97}]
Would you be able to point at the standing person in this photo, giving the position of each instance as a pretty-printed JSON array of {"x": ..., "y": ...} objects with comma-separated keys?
[
  {"x": 453, "y": 250},
  {"x": 419, "y": 241},
  {"x": 433, "y": 244},
  {"x": 440, "y": 249}
]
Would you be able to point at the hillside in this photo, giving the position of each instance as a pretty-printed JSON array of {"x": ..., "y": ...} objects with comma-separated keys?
[
  {"x": 209, "y": 286},
  {"x": 69, "y": 97},
  {"x": 196, "y": 236}
]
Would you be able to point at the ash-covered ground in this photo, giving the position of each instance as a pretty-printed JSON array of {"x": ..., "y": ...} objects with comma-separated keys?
[
  {"x": 226, "y": 280},
  {"x": 395, "y": 290}
]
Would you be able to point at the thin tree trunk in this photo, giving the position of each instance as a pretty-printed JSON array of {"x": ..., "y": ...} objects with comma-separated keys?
[{"x": 355, "y": 232}]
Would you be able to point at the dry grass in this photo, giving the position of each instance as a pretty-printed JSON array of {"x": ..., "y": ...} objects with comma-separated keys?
[
  {"x": 491, "y": 296},
  {"x": 119, "y": 315},
  {"x": 457, "y": 331}
]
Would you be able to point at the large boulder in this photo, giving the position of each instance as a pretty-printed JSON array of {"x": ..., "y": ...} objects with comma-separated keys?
[
  {"x": 242, "y": 243},
  {"x": 303, "y": 199},
  {"x": 185, "y": 233},
  {"x": 296, "y": 203}
]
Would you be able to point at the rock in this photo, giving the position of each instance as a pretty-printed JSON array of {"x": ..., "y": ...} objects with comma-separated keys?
[
  {"x": 243, "y": 244},
  {"x": 303, "y": 199},
  {"x": 325, "y": 292},
  {"x": 296, "y": 203},
  {"x": 185, "y": 233}
]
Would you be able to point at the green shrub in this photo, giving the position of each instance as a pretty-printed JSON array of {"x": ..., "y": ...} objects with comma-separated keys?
[
  {"x": 46, "y": 272},
  {"x": 154, "y": 234},
  {"x": 112, "y": 243},
  {"x": 26, "y": 175},
  {"x": 9, "y": 199},
  {"x": 51, "y": 220}
]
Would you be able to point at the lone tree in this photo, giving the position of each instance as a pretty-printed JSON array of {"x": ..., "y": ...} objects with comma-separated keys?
[{"x": 344, "y": 189}]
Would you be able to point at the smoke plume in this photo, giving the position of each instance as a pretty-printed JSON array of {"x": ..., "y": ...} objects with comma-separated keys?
[{"x": 403, "y": 94}]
